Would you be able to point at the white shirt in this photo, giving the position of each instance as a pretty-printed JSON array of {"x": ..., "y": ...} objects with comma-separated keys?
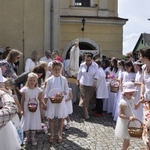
[
  {"x": 30, "y": 65},
  {"x": 86, "y": 77},
  {"x": 45, "y": 59}
]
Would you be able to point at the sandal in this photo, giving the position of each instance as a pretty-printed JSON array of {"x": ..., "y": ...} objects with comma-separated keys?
[
  {"x": 60, "y": 140},
  {"x": 51, "y": 140}
]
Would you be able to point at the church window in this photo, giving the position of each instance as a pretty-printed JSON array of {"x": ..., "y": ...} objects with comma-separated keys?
[{"x": 82, "y": 3}]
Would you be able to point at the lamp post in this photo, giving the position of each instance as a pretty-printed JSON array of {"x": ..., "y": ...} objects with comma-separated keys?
[{"x": 83, "y": 23}]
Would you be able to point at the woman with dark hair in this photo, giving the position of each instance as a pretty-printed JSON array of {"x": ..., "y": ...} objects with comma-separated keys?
[
  {"x": 32, "y": 61},
  {"x": 87, "y": 78},
  {"x": 7, "y": 65}
]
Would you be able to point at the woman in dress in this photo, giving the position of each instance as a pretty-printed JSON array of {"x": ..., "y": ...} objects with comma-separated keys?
[{"x": 144, "y": 56}]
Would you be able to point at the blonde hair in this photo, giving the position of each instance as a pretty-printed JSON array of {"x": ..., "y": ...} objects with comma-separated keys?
[
  {"x": 9, "y": 82},
  {"x": 44, "y": 64},
  {"x": 31, "y": 75}
]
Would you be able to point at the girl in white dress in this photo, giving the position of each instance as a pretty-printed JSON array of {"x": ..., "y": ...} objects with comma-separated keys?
[
  {"x": 126, "y": 114},
  {"x": 68, "y": 103},
  {"x": 137, "y": 83},
  {"x": 112, "y": 95},
  {"x": 118, "y": 94},
  {"x": 31, "y": 101},
  {"x": 56, "y": 85}
]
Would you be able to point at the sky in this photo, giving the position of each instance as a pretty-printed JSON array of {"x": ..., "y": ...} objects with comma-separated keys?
[{"x": 138, "y": 13}]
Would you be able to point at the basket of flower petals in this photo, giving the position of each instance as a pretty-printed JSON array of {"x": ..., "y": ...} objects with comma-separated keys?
[
  {"x": 32, "y": 106},
  {"x": 56, "y": 96},
  {"x": 114, "y": 86}
]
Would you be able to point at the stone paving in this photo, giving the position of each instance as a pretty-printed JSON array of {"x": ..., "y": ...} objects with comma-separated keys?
[{"x": 94, "y": 134}]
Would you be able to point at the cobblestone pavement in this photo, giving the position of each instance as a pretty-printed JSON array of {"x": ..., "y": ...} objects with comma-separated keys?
[{"x": 95, "y": 134}]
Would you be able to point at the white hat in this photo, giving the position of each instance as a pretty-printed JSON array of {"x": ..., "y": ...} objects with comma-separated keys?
[
  {"x": 128, "y": 87},
  {"x": 2, "y": 79}
]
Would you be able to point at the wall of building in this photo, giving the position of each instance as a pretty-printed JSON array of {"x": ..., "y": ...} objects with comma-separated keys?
[
  {"x": 108, "y": 37},
  {"x": 22, "y": 26}
]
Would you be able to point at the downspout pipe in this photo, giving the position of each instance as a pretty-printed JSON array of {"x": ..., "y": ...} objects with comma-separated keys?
[{"x": 51, "y": 24}]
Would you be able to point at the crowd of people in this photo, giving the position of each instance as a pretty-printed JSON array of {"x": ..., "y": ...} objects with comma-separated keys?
[{"x": 43, "y": 93}]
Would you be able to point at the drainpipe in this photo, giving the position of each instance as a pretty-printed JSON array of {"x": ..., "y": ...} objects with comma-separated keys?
[{"x": 51, "y": 24}]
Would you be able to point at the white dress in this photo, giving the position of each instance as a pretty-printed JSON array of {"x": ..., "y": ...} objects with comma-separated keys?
[
  {"x": 31, "y": 120},
  {"x": 56, "y": 109},
  {"x": 139, "y": 112},
  {"x": 105, "y": 101},
  {"x": 101, "y": 85},
  {"x": 121, "y": 130},
  {"x": 118, "y": 98},
  {"x": 69, "y": 103},
  {"x": 111, "y": 95},
  {"x": 9, "y": 139}
]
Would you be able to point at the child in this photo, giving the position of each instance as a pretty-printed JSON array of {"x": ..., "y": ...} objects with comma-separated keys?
[
  {"x": 101, "y": 90},
  {"x": 31, "y": 121},
  {"x": 68, "y": 101},
  {"x": 56, "y": 83},
  {"x": 9, "y": 85},
  {"x": 127, "y": 107}
]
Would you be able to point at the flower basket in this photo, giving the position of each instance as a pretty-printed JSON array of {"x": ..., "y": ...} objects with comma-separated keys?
[
  {"x": 56, "y": 99},
  {"x": 135, "y": 132},
  {"x": 32, "y": 106},
  {"x": 55, "y": 96},
  {"x": 114, "y": 86}
]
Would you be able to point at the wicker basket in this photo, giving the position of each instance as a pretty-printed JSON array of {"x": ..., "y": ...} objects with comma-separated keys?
[
  {"x": 56, "y": 99},
  {"x": 113, "y": 87},
  {"x": 32, "y": 107},
  {"x": 135, "y": 131},
  {"x": 55, "y": 95}
]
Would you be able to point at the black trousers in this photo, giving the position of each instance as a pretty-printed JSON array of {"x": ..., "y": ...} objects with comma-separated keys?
[{"x": 99, "y": 105}]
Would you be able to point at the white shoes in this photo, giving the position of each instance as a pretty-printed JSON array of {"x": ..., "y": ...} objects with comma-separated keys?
[{"x": 67, "y": 126}]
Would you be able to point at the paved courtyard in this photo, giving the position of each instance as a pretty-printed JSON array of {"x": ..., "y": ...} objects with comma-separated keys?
[{"x": 95, "y": 134}]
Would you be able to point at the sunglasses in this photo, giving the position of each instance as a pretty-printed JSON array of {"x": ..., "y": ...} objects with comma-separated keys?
[{"x": 127, "y": 56}]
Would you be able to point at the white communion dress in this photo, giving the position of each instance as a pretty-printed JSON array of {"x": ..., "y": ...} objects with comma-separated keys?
[
  {"x": 121, "y": 130},
  {"x": 31, "y": 120},
  {"x": 56, "y": 109}
]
